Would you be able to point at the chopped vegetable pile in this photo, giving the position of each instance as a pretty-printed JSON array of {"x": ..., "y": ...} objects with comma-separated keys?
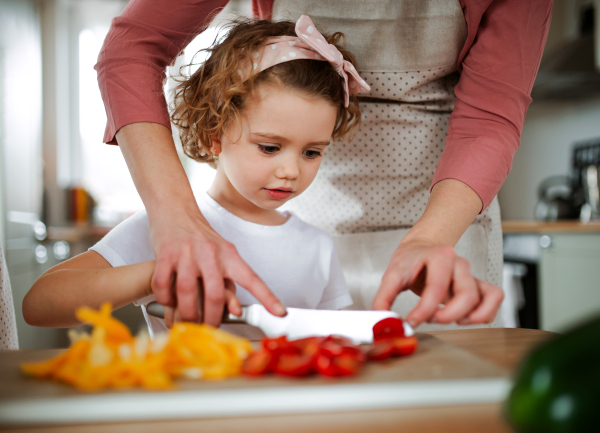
[
  {"x": 111, "y": 357},
  {"x": 390, "y": 340},
  {"x": 329, "y": 356}
]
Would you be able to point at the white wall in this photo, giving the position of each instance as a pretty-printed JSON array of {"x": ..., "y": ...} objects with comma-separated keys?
[
  {"x": 549, "y": 132},
  {"x": 21, "y": 145}
]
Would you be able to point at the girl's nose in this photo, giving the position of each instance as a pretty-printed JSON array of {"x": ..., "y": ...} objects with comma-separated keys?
[{"x": 288, "y": 169}]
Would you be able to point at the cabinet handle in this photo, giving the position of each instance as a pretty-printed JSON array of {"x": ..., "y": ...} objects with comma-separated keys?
[
  {"x": 30, "y": 219},
  {"x": 547, "y": 242}
]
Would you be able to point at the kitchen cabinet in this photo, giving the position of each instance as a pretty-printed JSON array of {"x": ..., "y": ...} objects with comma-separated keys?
[
  {"x": 568, "y": 269},
  {"x": 569, "y": 275}
]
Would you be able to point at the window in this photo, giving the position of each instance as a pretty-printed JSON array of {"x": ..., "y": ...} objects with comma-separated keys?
[
  {"x": 201, "y": 175},
  {"x": 105, "y": 175},
  {"x": 81, "y": 157}
]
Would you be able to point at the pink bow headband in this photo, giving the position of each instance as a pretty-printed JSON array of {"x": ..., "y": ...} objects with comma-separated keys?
[{"x": 310, "y": 44}]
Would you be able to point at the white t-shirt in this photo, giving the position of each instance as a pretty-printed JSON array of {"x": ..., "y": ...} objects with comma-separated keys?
[{"x": 297, "y": 261}]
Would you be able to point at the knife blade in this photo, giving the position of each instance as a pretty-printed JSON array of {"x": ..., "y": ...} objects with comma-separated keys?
[{"x": 301, "y": 323}]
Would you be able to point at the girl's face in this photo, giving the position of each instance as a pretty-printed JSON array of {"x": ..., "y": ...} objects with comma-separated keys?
[{"x": 282, "y": 139}]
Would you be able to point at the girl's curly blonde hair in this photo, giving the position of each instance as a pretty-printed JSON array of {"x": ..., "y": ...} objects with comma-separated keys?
[{"x": 215, "y": 94}]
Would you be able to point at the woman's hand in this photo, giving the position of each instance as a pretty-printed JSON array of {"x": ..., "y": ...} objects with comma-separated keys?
[
  {"x": 439, "y": 276},
  {"x": 187, "y": 249},
  {"x": 195, "y": 266},
  {"x": 426, "y": 263}
]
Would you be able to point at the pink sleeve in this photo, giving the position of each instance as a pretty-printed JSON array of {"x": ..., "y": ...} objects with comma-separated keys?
[
  {"x": 498, "y": 65},
  {"x": 141, "y": 42},
  {"x": 262, "y": 9}
]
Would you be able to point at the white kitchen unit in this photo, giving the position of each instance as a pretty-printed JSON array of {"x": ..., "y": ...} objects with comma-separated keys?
[
  {"x": 569, "y": 275},
  {"x": 568, "y": 264}
]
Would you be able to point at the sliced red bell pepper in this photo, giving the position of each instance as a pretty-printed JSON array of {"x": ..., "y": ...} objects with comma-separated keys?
[
  {"x": 404, "y": 346},
  {"x": 381, "y": 350},
  {"x": 258, "y": 363},
  {"x": 325, "y": 366},
  {"x": 295, "y": 365},
  {"x": 347, "y": 364},
  {"x": 279, "y": 346},
  {"x": 391, "y": 327}
]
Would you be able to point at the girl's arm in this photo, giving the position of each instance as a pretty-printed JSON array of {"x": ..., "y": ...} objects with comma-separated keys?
[{"x": 87, "y": 279}]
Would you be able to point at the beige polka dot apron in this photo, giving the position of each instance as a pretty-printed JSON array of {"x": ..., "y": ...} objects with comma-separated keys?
[
  {"x": 370, "y": 190},
  {"x": 8, "y": 324}
]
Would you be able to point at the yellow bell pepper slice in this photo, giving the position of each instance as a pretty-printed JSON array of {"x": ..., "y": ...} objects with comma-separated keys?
[{"x": 112, "y": 358}]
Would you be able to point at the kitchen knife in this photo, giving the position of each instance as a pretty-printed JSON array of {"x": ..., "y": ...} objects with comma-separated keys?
[{"x": 300, "y": 322}]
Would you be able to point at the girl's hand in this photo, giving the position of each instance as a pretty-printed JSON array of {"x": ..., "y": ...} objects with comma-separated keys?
[
  {"x": 188, "y": 250},
  {"x": 439, "y": 276}
]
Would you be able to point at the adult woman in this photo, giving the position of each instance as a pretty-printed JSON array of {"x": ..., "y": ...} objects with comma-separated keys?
[
  {"x": 8, "y": 324},
  {"x": 408, "y": 52}
]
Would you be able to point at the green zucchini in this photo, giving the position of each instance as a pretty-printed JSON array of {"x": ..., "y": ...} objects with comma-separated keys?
[{"x": 557, "y": 388}]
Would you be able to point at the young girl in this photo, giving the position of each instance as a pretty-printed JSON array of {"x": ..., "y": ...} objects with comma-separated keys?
[{"x": 262, "y": 109}]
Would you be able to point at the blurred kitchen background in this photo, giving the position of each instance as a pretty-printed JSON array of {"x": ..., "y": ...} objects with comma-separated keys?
[{"x": 61, "y": 189}]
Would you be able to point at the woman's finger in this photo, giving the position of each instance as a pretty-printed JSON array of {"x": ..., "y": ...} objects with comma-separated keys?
[
  {"x": 230, "y": 285},
  {"x": 486, "y": 311},
  {"x": 186, "y": 286},
  {"x": 212, "y": 288},
  {"x": 232, "y": 302},
  {"x": 393, "y": 282},
  {"x": 237, "y": 270},
  {"x": 465, "y": 296},
  {"x": 176, "y": 316},
  {"x": 440, "y": 269},
  {"x": 169, "y": 316},
  {"x": 163, "y": 279}
]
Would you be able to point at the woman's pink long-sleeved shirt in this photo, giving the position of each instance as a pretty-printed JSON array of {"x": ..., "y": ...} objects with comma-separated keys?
[{"x": 498, "y": 65}]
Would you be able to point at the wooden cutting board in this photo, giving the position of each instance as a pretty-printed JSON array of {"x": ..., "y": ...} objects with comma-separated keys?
[{"x": 439, "y": 373}]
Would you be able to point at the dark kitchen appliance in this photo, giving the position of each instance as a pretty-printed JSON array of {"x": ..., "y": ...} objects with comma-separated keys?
[
  {"x": 560, "y": 197},
  {"x": 523, "y": 250},
  {"x": 586, "y": 165},
  {"x": 576, "y": 196},
  {"x": 557, "y": 199}
]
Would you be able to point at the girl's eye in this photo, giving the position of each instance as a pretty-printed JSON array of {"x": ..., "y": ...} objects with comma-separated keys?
[
  {"x": 268, "y": 149},
  {"x": 312, "y": 154}
]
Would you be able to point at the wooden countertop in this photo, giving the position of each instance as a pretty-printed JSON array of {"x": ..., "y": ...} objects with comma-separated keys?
[
  {"x": 78, "y": 233},
  {"x": 499, "y": 348},
  {"x": 565, "y": 226}
]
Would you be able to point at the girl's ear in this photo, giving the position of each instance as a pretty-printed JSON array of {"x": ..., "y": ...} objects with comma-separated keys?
[{"x": 216, "y": 145}]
